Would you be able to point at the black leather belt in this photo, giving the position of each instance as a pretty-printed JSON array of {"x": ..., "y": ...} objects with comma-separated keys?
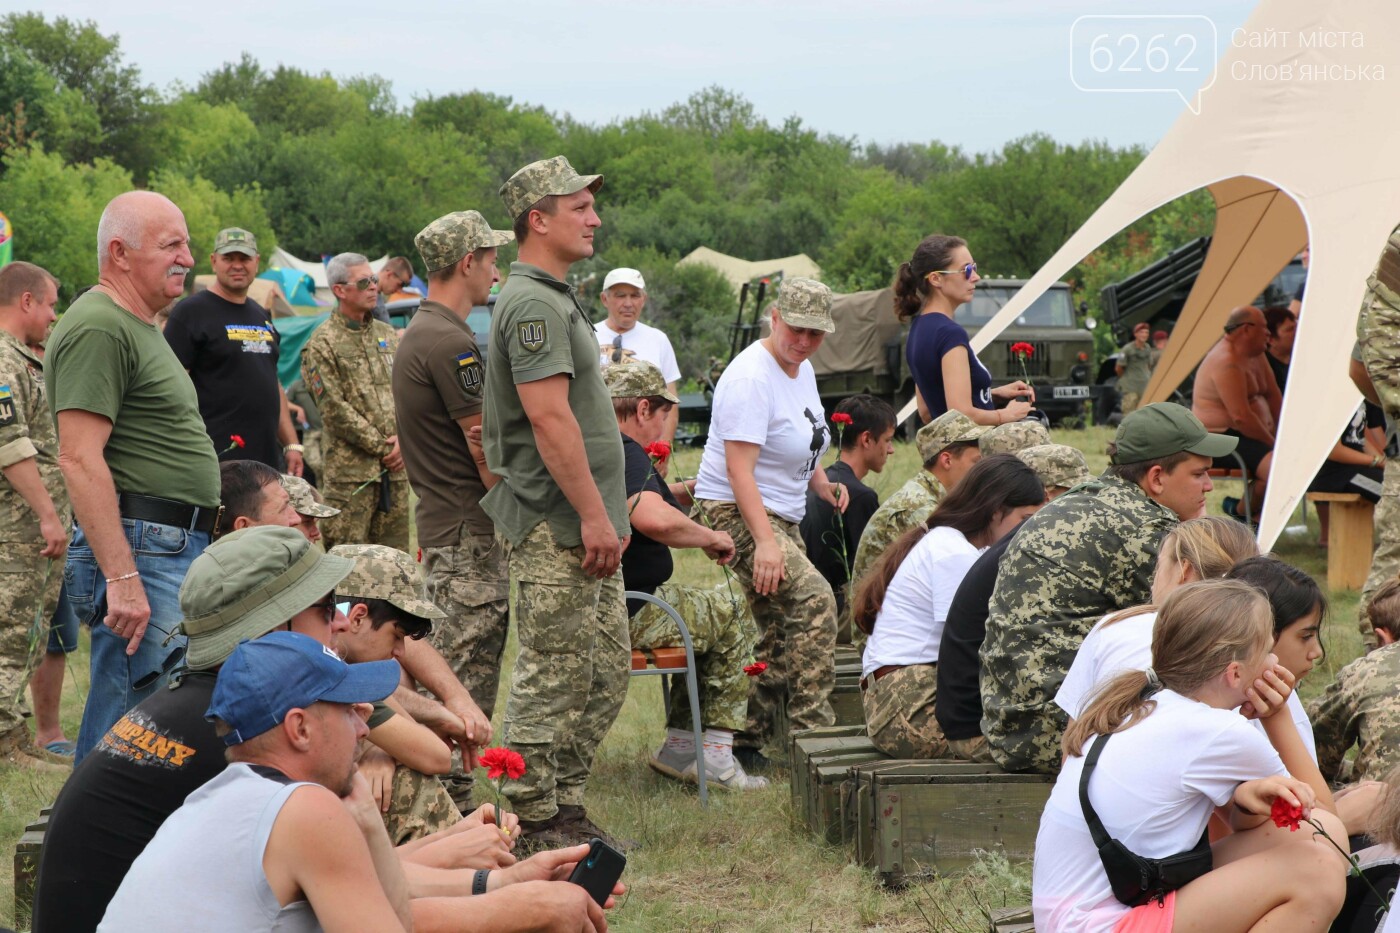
[{"x": 167, "y": 512}]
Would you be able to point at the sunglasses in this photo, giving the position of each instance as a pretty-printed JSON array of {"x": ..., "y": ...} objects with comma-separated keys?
[
  {"x": 327, "y": 607},
  {"x": 364, "y": 283},
  {"x": 966, "y": 271}
]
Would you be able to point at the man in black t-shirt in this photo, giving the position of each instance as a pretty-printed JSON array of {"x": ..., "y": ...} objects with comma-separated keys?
[
  {"x": 722, "y": 631},
  {"x": 226, "y": 341}
]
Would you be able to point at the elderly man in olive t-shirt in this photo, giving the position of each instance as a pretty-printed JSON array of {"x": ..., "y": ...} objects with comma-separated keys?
[
  {"x": 141, "y": 471},
  {"x": 560, "y": 503}
]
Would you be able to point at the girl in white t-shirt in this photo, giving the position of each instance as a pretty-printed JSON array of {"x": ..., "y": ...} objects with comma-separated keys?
[
  {"x": 1177, "y": 749},
  {"x": 1200, "y": 549},
  {"x": 902, "y": 603}
]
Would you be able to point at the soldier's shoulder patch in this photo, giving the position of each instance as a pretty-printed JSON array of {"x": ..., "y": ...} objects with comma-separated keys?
[
  {"x": 7, "y": 407},
  {"x": 313, "y": 381},
  {"x": 469, "y": 374},
  {"x": 532, "y": 334}
]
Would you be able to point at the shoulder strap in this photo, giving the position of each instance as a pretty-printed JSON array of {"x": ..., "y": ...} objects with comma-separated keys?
[{"x": 1096, "y": 827}]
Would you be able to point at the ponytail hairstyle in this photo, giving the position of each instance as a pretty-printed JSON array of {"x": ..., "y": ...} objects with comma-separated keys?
[
  {"x": 1211, "y": 546},
  {"x": 1201, "y": 629},
  {"x": 1291, "y": 592},
  {"x": 911, "y": 281},
  {"x": 995, "y": 484}
]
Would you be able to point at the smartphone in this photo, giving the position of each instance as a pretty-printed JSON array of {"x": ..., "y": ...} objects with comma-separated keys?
[{"x": 599, "y": 870}]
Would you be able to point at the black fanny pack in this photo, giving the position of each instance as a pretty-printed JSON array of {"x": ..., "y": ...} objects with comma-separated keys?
[{"x": 1137, "y": 880}]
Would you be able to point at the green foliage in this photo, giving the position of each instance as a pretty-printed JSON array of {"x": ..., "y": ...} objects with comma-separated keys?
[{"x": 208, "y": 210}]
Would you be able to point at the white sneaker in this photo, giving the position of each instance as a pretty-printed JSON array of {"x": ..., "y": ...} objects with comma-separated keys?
[{"x": 734, "y": 777}]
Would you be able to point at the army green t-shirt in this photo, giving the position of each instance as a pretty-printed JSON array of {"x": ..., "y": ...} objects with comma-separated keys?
[
  {"x": 539, "y": 330},
  {"x": 1137, "y": 368},
  {"x": 104, "y": 359}
]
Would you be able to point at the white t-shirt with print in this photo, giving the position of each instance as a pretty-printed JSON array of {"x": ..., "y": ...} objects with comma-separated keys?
[
  {"x": 756, "y": 401},
  {"x": 1154, "y": 789},
  {"x": 642, "y": 342},
  {"x": 910, "y": 624}
]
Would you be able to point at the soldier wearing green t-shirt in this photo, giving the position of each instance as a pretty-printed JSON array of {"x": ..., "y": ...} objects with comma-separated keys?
[{"x": 560, "y": 504}]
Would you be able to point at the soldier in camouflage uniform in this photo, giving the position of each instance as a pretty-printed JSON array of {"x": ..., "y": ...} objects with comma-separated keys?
[
  {"x": 347, "y": 364},
  {"x": 1013, "y": 437},
  {"x": 560, "y": 504},
  {"x": 1088, "y": 553},
  {"x": 1378, "y": 332},
  {"x": 34, "y": 515},
  {"x": 1059, "y": 467},
  {"x": 298, "y": 394},
  {"x": 1362, "y": 706},
  {"x": 306, "y": 502}
]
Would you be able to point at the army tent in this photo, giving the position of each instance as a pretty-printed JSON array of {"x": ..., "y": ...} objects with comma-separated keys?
[
  {"x": 738, "y": 271},
  {"x": 297, "y": 286},
  {"x": 1295, "y": 142},
  {"x": 264, "y": 292},
  {"x": 866, "y": 326}
]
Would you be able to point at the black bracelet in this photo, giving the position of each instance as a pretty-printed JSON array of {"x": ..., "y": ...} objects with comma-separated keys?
[{"x": 479, "y": 881}]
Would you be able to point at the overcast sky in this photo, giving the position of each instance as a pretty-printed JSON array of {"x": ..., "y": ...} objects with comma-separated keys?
[{"x": 973, "y": 74}]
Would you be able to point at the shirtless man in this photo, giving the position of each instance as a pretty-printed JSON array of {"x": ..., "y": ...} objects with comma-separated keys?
[{"x": 1236, "y": 394}]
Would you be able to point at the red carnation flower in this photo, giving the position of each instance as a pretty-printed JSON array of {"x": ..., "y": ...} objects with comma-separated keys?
[
  {"x": 758, "y": 667},
  {"x": 1022, "y": 349},
  {"x": 1285, "y": 815},
  {"x": 841, "y": 418},
  {"x": 499, "y": 761},
  {"x": 658, "y": 450},
  {"x": 237, "y": 440}
]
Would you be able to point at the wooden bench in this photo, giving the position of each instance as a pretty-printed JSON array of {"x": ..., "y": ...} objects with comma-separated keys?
[{"x": 1349, "y": 538}]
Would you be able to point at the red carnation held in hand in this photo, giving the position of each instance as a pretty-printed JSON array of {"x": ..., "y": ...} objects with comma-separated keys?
[
  {"x": 1022, "y": 349},
  {"x": 1285, "y": 814},
  {"x": 841, "y": 418},
  {"x": 499, "y": 761},
  {"x": 237, "y": 440},
  {"x": 658, "y": 450},
  {"x": 753, "y": 670}
]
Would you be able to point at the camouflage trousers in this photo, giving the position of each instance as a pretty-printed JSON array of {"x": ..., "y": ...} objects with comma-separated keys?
[
  {"x": 1385, "y": 563},
  {"x": 797, "y": 629},
  {"x": 723, "y": 634},
  {"x": 973, "y": 749},
  {"x": 899, "y": 713},
  {"x": 470, "y": 583},
  {"x": 1128, "y": 402},
  {"x": 418, "y": 806},
  {"x": 29, "y": 587},
  {"x": 360, "y": 521},
  {"x": 571, "y": 674},
  {"x": 311, "y": 440}
]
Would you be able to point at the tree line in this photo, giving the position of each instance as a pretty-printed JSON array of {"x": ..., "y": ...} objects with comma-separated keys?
[{"x": 320, "y": 164}]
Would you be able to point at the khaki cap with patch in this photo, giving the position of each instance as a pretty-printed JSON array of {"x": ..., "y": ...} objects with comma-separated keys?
[
  {"x": 446, "y": 240},
  {"x": 636, "y": 379},
  {"x": 386, "y": 573},
  {"x": 951, "y": 427},
  {"x": 235, "y": 240},
  {"x": 542, "y": 179},
  {"x": 1010, "y": 438},
  {"x": 304, "y": 498},
  {"x": 806, "y": 303}
]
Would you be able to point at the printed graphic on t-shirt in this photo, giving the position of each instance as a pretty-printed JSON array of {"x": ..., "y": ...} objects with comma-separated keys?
[
  {"x": 818, "y": 442},
  {"x": 615, "y": 352},
  {"x": 135, "y": 738},
  {"x": 254, "y": 337}
]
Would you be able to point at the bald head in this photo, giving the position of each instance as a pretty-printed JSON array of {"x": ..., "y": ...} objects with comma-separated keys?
[
  {"x": 126, "y": 218},
  {"x": 143, "y": 251},
  {"x": 1245, "y": 314}
]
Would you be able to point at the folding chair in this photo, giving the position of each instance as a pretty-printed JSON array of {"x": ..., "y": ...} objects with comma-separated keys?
[{"x": 674, "y": 661}]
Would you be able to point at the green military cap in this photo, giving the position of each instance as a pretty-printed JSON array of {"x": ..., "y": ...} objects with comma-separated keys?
[
  {"x": 1163, "y": 429},
  {"x": 248, "y": 583},
  {"x": 806, "y": 303},
  {"x": 951, "y": 427},
  {"x": 1017, "y": 435},
  {"x": 542, "y": 179},
  {"x": 636, "y": 379},
  {"x": 235, "y": 240},
  {"x": 389, "y": 574},
  {"x": 446, "y": 240},
  {"x": 1056, "y": 464},
  {"x": 304, "y": 499}
]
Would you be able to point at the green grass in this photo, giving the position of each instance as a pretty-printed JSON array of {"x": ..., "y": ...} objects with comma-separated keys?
[{"x": 741, "y": 865}]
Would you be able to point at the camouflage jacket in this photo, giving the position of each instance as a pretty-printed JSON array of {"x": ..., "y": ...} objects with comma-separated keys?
[
  {"x": 1378, "y": 329},
  {"x": 348, "y": 367},
  {"x": 26, "y": 430},
  {"x": 910, "y": 505},
  {"x": 1086, "y": 554},
  {"x": 1361, "y": 706}
]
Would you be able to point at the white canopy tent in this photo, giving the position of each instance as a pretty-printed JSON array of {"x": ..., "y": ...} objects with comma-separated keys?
[{"x": 1287, "y": 161}]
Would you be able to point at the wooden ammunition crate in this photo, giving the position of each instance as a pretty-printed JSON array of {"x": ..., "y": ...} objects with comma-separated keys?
[
  {"x": 808, "y": 742},
  {"x": 27, "y": 851},
  {"x": 1012, "y": 920},
  {"x": 827, "y": 775},
  {"x": 920, "y": 817}
]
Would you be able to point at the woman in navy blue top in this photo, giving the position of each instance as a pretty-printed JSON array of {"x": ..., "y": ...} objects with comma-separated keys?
[{"x": 947, "y": 374}]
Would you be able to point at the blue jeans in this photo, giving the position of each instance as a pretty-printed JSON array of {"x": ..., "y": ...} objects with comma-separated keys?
[
  {"x": 163, "y": 553},
  {"x": 63, "y": 631}
]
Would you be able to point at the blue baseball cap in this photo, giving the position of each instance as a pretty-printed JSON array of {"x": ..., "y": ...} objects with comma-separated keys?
[{"x": 267, "y": 677}]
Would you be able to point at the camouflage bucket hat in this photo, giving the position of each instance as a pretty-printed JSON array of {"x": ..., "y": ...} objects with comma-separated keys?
[
  {"x": 636, "y": 379},
  {"x": 388, "y": 574},
  {"x": 806, "y": 303},
  {"x": 304, "y": 498},
  {"x": 1056, "y": 464},
  {"x": 542, "y": 179},
  {"x": 248, "y": 583},
  {"x": 1010, "y": 438},
  {"x": 235, "y": 240},
  {"x": 446, "y": 240},
  {"x": 951, "y": 427}
]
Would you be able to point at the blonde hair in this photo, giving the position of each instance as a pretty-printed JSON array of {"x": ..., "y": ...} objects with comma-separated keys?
[
  {"x": 1210, "y": 546},
  {"x": 1201, "y": 629},
  {"x": 1383, "y": 825}
]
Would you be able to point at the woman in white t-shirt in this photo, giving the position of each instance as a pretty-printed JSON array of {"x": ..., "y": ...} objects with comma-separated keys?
[
  {"x": 767, "y": 436},
  {"x": 1199, "y": 549},
  {"x": 1176, "y": 749},
  {"x": 902, "y": 604}
]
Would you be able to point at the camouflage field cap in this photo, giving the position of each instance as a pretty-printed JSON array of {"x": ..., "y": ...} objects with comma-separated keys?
[
  {"x": 235, "y": 240},
  {"x": 248, "y": 583},
  {"x": 1009, "y": 438},
  {"x": 540, "y": 180},
  {"x": 1056, "y": 464},
  {"x": 449, "y": 238},
  {"x": 304, "y": 500},
  {"x": 806, "y": 303},
  {"x": 1165, "y": 428},
  {"x": 951, "y": 427},
  {"x": 386, "y": 573},
  {"x": 636, "y": 379}
]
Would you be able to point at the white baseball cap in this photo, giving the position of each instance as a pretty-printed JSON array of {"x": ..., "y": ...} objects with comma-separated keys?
[{"x": 624, "y": 276}]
